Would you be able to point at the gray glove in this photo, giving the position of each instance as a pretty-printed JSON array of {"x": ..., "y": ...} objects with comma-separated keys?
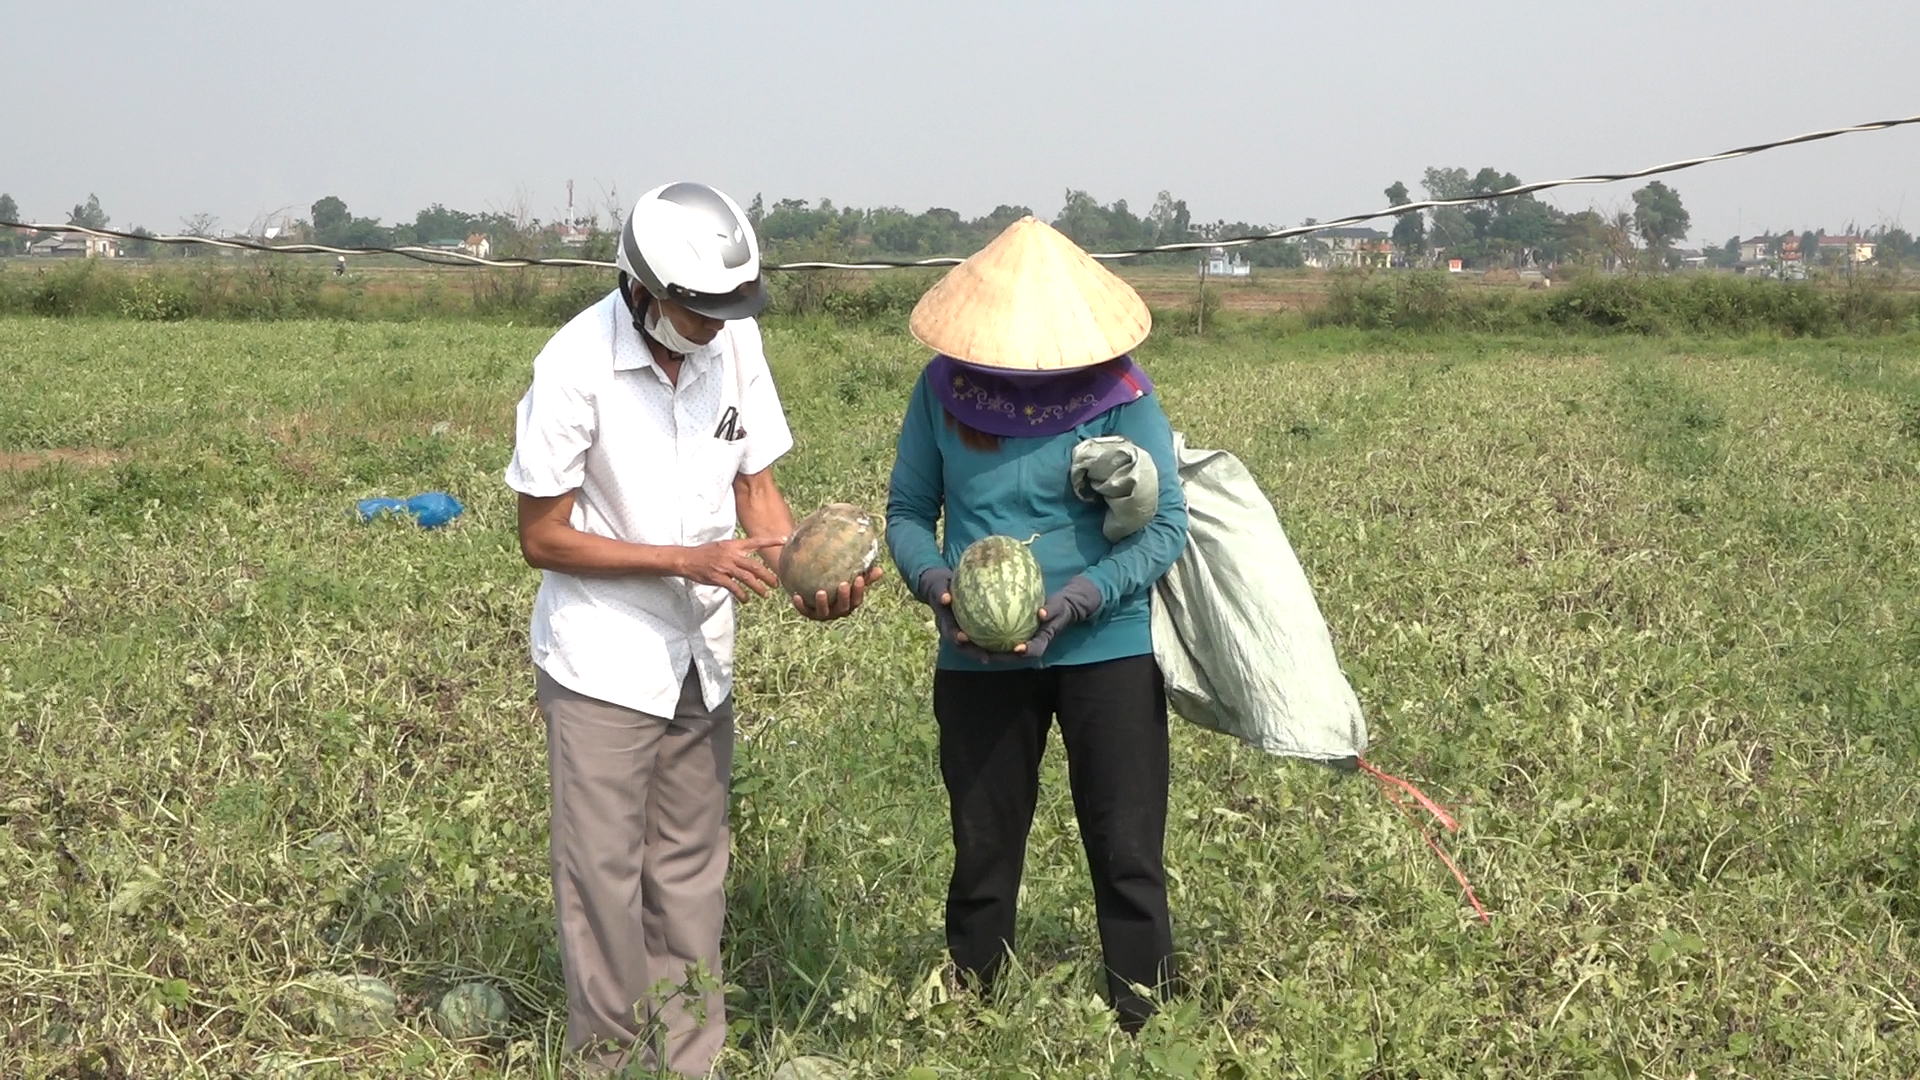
[
  {"x": 1076, "y": 601},
  {"x": 933, "y": 585}
]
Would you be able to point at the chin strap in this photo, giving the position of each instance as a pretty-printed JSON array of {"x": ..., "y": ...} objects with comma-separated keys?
[{"x": 639, "y": 316}]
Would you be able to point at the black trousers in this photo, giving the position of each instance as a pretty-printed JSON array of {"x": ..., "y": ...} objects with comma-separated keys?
[{"x": 993, "y": 731}]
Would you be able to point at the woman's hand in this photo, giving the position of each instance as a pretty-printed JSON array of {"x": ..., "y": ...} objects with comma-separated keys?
[
  {"x": 827, "y": 606},
  {"x": 936, "y": 591},
  {"x": 1076, "y": 601}
]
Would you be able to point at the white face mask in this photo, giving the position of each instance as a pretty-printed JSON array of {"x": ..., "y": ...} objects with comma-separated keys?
[{"x": 663, "y": 331}]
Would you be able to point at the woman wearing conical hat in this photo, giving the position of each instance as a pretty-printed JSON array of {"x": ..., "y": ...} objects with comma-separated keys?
[{"x": 1032, "y": 341}]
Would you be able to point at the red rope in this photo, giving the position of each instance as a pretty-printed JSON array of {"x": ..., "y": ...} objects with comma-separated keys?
[{"x": 1393, "y": 786}]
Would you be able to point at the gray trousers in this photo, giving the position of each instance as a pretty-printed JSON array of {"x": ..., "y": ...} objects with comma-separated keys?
[{"x": 639, "y": 836}]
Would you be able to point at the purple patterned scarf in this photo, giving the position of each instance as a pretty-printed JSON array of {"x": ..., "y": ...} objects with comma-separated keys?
[{"x": 1033, "y": 404}]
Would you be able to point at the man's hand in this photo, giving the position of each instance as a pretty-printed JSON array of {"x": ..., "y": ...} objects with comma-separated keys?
[
  {"x": 826, "y": 606},
  {"x": 732, "y": 565}
]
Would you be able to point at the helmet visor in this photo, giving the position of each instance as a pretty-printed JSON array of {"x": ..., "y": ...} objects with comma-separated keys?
[{"x": 744, "y": 302}]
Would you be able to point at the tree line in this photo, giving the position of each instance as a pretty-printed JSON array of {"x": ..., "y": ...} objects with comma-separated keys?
[{"x": 1518, "y": 231}]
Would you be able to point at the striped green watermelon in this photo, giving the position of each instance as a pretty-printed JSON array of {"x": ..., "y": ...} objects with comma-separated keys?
[
  {"x": 471, "y": 1011},
  {"x": 809, "y": 1068},
  {"x": 351, "y": 1005},
  {"x": 997, "y": 593},
  {"x": 835, "y": 544}
]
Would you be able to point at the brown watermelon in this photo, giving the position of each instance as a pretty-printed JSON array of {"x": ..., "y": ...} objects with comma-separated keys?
[{"x": 836, "y": 543}]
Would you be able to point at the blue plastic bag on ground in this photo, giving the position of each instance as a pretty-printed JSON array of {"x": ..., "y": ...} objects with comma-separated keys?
[
  {"x": 430, "y": 510},
  {"x": 434, "y": 509}
]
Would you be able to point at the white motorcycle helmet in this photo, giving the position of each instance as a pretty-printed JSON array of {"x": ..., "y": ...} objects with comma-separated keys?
[{"x": 693, "y": 245}]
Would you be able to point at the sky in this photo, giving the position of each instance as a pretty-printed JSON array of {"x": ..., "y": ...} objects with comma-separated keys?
[{"x": 1266, "y": 112}]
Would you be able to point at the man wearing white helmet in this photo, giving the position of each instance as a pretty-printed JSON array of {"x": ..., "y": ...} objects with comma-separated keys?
[{"x": 649, "y": 434}]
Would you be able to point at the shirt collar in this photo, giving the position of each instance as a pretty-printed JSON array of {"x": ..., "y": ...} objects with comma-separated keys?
[{"x": 630, "y": 352}]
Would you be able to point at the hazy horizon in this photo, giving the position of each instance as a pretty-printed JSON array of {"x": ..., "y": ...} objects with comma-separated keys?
[{"x": 1267, "y": 113}]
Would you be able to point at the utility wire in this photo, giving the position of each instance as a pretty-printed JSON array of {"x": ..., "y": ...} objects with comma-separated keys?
[{"x": 443, "y": 257}]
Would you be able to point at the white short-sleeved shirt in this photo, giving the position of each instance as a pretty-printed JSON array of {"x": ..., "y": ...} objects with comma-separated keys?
[{"x": 653, "y": 463}]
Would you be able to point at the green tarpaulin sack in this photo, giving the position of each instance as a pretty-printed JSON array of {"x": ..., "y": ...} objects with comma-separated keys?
[{"x": 1236, "y": 630}]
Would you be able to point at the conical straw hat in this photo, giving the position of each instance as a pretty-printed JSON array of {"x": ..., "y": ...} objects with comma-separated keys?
[{"x": 1031, "y": 301}]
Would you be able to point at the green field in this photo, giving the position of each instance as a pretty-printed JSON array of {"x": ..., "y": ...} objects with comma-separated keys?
[{"x": 1642, "y": 613}]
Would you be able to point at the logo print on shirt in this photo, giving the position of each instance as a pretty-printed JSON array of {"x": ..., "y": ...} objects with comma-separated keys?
[{"x": 730, "y": 427}]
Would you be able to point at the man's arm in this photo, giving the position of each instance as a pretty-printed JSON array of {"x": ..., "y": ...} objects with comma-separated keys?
[
  {"x": 763, "y": 510},
  {"x": 548, "y": 541}
]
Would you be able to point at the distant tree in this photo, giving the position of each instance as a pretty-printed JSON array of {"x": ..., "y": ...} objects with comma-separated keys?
[
  {"x": 1809, "y": 247},
  {"x": 9, "y": 211},
  {"x": 796, "y": 219},
  {"x": 1583, "y": 236},
  {"x": 1620, "y": 238},
  {"x": 88, "y": 215},
  {"x": 1004, "y": 215},
  {"x": 1124, "y": 228},
  {"x": 1409, "y": 230},
  {"x": 1083, "y": 219},
  {"x": 1726, "y": 255},
  {"x": 1449, "y": 227},
  {"x": 756, "y": 210},
  {"x": 330, "y": 217},
  {"x": 142, "y": 247},
  {"x": 1659, "y": 218},
  {"x": 201, "y": 224},
  {"x": 1446, "y": 183},
  {"x": 1169, "y": 219},
  {"x": 1485, "y": 182},
  {"x": 1312, "y": 248},
  {"x": 1894, "y": 247},
  {"x": 437, "y": 222}
]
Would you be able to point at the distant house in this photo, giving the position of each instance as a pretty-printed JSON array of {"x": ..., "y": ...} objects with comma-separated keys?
[
  {"x": 1222, "y": 263},
  {"x": 1850, "y": 249},
  {"x": 573, "y": 234},
  {"x": 66, "y": 245},
  {"x": 1348, "y": 248},
  {"x": 1755, "y": 249},
  {"x": 478, "y": 245}
]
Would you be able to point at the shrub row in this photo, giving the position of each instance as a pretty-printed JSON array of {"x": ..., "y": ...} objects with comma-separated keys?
[
  {"x": 1631, "y": 304},
  {"x": 268, "y": 288}
]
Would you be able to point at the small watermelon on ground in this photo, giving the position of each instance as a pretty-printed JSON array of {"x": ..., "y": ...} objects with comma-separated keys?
[
  {"x": 835, "y": 543},
  {"x": 471, "y": 1011},
  {"x": 351, "y": 1005},
  {"x": 997, "y": 593},
  {"x": 809, "y": 1068},
  {"x": 280, "y": 1065}
]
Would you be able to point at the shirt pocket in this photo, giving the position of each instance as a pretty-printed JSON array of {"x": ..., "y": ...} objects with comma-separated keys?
[{"x": 716, "y": 462}]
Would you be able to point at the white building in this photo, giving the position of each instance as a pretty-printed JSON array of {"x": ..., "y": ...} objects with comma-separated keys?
[
  {"x": 65, "y": 245},
  {"x": 1223, "y": 263}
]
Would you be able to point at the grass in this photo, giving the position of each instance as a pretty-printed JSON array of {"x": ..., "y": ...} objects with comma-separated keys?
[{"x": 1642, "y": 612}]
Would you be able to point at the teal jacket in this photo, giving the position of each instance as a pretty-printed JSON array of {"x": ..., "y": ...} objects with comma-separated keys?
[{"x": 1021, "y": 489}]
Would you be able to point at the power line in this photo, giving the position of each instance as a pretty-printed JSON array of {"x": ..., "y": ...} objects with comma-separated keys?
[{"x": 443, "y": 257}]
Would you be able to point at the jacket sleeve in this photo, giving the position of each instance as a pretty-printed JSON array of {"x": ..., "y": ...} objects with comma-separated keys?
[
  {"x": 1141, "y": 559},
  {"x": 915, "y": 493}
]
